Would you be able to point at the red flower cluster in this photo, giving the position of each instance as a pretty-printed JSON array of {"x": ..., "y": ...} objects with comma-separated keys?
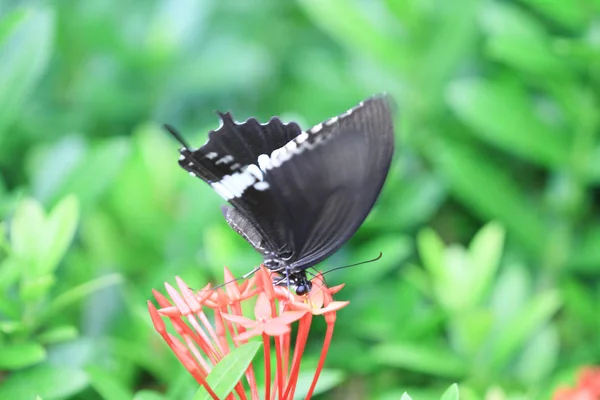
[
  {"x": 200, "y": 345},
  {"x": 588, "y": 387}
]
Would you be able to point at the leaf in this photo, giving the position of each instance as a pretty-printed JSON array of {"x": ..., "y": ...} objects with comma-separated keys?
[
  {"x": 26, "y": 39},
  {"x": 405, "y": 396},
  {"x": 520, "y": 40},
  {"x": 523, "y": 326},
  {"x": 228, "y": 372},
  {"x": 454, "y": 38},
  {"x": 586, "y": 254},
  {"x": 451, "y": 393},
  {"x": 431, "y": 250},
  {"x": 148, "y": 395},
  {"x": 60, "y": 229},
  {"x": 539, "y": 357},
  {"x": 502, "y": 115},
  {"x": 46, "y": 381},
  {"x": 19, "y": 355},
  {"x": 26, "y": 234},
  {"x": 107, "y": 384},
  {"x": 327, "y": 381},
  {"x": 574, "y": 16},
  {"x": 10, "y": 271},
  {"x": 490, "y": 192},
  {"x": 61, "y": 333},
  {"x": 71, "y": 166},
  {"x": 75, "y": 294},
  {"x": 347, "y": 23},
  {"x": 421, "y": 358},
  {"x": 485, "y": 251},
  {"x": 394, "y": 248}
]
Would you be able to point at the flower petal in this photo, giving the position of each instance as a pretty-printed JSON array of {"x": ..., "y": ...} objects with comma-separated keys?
[
  {"x": 249, "y": 334},
  {"x": 275, "y": 329},
  {"x": 287, "y": 317},
  {"x": 238, "y": 319},
  {"x": 333, "y": 306},
  {"x": 262, "y": 309}
]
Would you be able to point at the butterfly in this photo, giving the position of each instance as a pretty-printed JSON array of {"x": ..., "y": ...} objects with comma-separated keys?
[{"x": 297, "y": 196}]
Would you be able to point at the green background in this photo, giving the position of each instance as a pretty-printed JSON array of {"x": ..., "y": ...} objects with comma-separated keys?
[{"x": 488, "y": 222}]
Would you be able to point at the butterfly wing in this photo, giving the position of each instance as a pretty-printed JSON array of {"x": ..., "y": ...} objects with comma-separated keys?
[
  {"x": 327, "y": 191},
  {"x": 303, "y": 194},
  {"x": 228, "y": 162}
]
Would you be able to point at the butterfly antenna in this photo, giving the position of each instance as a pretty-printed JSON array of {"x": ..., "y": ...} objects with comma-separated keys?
[
  {"x": 246, "y": 275},
  {"x": 354, "y": 265},
  {"x": 177, "y": 135}
]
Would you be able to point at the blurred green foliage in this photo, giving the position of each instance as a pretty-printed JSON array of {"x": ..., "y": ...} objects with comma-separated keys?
[{"x": 498, "y": 151}]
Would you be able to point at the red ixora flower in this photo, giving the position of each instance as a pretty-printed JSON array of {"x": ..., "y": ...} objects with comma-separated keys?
[
  {"x": 588, "y": 386},
  {"x": 200, "y": 344}
]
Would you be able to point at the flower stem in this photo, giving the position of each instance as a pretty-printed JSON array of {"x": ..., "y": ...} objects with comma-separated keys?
[
  {"x": 324, "y": 350},
  {"x": 301, "y": 338},
  {"x": 267, "y": 350}
]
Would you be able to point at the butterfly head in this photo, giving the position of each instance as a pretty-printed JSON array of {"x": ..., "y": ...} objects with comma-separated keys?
[
  {"x": 303, "y": 286},
  {"x": 296, "y": 280}
]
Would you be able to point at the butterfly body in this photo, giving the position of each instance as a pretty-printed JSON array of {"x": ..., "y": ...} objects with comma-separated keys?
[{"x": 297, "y": 196}]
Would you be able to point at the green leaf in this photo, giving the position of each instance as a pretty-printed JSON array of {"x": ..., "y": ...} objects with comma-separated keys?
[
  {"x": 26, "y": 38},
  {"x": 148, "y": 395},
  {"x": 107, "y": 384},
  {"x": 348, "y": 24},
  {"x": 454, "y": 38},
  {"x": 451, "y": 393},
  {"x": 421, "y": 358},
  {"x": 490, "y": 192},
  {"x": 58, "y": 334},
  {"x": 431, "y": 250},
  {"x": 327, "y": 381},
  {"x": 405, "y": 396},
  {"x": 586, "y": 254},
  {"x": 19, "y": 355},
  {"x": 46, "y": 381},
  {"x": 228, "y": 372},
  {"x": 36, "y": 287},
  {"x": 502, "y": 115},
  {"x": 27, "y": 234},
  {"x": 540, "y": 356},
  {"x": 485, "y": 251},
  {"x": 75, "y": 294},
  {"x": 520, "y": 40},
  {"x": 394, "y": 248},
  {"x": 523, "y": 326},
  {"x": 574, "y": 16},
  {"x": 60, "y": 229},
  {"x": 10, "y": 272},
  {"x": 65, "y": 168}
]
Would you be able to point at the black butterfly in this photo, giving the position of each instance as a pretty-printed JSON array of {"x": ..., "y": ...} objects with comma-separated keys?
[{"x": 297, "y": 196}]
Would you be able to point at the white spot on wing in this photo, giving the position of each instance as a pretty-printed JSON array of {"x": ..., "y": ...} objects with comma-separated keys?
[
  {"x": 255, "y": 171},
  {"x": 211, "y": 155},
  {"x": 301, "y": 138},
  {"x": 224, "y": 160},
  {"x": 331, "y": 121},
  {"x": 222, "y": 190},
  {"x": 261, "y": 186},
  {"x": 264, "y": 162},
  {"x": 316, "y": 128}
]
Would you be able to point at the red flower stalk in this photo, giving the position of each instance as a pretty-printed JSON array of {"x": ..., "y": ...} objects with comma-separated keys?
[
  {"x": 200, "y": 345},
  {"x": 588, "y": 386}
]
